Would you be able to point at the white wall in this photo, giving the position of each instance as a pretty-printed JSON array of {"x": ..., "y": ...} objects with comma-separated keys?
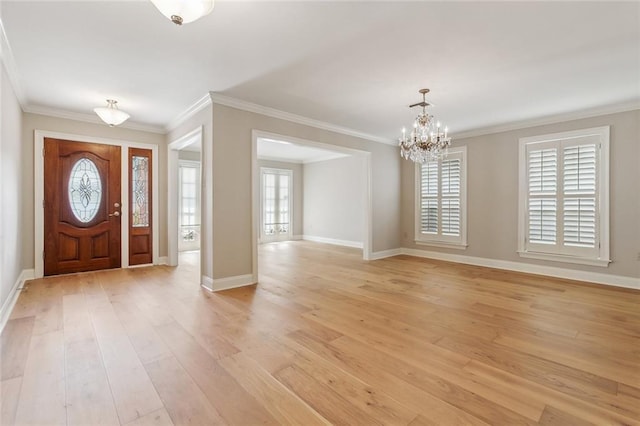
[
  {"x": 334, "y": 199},
  {"x": 12, "y": 219}
]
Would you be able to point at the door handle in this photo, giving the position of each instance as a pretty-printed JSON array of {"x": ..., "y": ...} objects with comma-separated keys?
[{"x": 116, "y": 214}]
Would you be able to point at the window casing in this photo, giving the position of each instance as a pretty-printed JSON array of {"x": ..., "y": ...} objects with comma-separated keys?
[
  {"x": 441, "y": 200},
  {"x": 564, "y": 197}
]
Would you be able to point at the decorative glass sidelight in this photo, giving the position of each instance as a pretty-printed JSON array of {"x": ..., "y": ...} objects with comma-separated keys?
[
  {"x": 140, "y": 191},
  {"x": 85, "y": 190}
]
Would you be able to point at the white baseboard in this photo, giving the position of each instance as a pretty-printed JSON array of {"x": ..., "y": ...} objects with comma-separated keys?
[
  {"x": 163, "y": 260},
  {"x": 233, "y": 282},
  {"x": 7, "y": 306},
  {"x": 297, "y": 237},
  {"x": 552, "y": 271},
  {"x": 206, "y": 282},
  {"x": 355, "y": 244},
  {"x": 385, "y": 253}
]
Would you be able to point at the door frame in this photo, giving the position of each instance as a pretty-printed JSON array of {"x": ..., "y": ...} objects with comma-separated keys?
[{"x": 38, "y": 180}]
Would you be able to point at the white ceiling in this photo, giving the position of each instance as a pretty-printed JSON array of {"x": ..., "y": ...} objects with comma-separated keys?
[
  {"x": 270, "y": 149},
  {"x": 352, "y": 64}
]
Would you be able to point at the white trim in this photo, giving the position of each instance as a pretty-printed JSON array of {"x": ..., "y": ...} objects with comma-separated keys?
[
  {"x": 227, "y": 283},
  {"x": 88, "y": 118},
  {"x": 550, "y": 119},
  {"x": 192, "y": 110},
  {"x": 385, "y": 253},
  {"x": 12, "y": 298},
  {"x": 278, "y": 159},
  {"x": 442, "y": 244},
  {"x": 345, "y": 243},
  {"x": 565, "y": 259},
  {"x": 163, "y": 260},
  {"x": 571, "y": 274},
  {"x": 206, "y": 282},
  {"x": 38, "y": 182},
  {"x": 217, "y": 98}
]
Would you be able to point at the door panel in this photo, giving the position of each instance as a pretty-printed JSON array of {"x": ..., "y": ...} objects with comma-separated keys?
[
  {"x": 140, "y": 207},
  {"x": 81, "y": 206}
]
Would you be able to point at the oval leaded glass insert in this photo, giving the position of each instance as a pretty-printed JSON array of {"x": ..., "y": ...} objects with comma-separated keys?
[{"x": 85, "y": 190}]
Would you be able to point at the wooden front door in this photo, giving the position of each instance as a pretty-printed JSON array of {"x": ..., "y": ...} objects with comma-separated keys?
[{"x": 81, "y": 206}]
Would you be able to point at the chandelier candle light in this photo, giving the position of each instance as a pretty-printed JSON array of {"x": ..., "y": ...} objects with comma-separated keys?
[{"x": 427, "y": 142}]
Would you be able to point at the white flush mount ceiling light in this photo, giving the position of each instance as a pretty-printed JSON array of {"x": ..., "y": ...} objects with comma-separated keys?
[
  {"x": 184, "y": 11},
  {"x": 427, "y": 141},
  {"x": 111, "y": 114}
]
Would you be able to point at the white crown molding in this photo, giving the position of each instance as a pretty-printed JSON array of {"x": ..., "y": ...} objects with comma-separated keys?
[
  {"x": 550, "y": 119},
  {"x": 217, "y": 98},
  {"x": 88, "y": 118},
  {"x": 6, "y": 54},
  {"x": 192, "y": 110}
]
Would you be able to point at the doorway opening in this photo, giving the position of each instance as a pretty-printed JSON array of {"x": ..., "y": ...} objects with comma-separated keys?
[
  {"x": 185, "y": 188},
  {"x": 305, "y": 190}
]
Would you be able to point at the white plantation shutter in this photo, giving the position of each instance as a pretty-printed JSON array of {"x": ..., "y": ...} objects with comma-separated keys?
[
  {"x": 563, "y": 201},
  {"x": 580, "y": 196},
  {"x": 440, "y": 199},
  {"x": 450, "y": 197},
  {"x": 429, "y": 198},
  {"x": 542, "y": 172}
]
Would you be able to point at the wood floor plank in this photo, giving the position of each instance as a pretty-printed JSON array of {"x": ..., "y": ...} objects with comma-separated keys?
[
  {"x": 284, "y": 406},
  {"x": 132, "y": 390},
  {"x": 184, "y": 401},
  {"x": 14, "y": 347},
  {"x": 156, "y": 418},
  {"x": 222, "y": 390},
  {"x": 9, "y": 396},
  {"x": 42, "y": 395}
]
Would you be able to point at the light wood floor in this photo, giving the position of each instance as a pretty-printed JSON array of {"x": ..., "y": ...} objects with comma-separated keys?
[{"x": 325, "y": 338}]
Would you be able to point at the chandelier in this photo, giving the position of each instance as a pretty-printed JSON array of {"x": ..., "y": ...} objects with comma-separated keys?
[
  {"x": 184, "y": 11},
  {"x": 427, "y": 141},
  {"x": 111, "y": 114}
]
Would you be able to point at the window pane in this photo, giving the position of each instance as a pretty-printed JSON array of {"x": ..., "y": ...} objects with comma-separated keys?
[
  {"x": 451, "y": 216},
  {"x": 451, "y": 177},
  {"x": 542, "y": 220},
  {"x": 543, "y": 166},
  {"x": 429, "y": 179},
  {"x": 580, "y": 222},
  {"x": 580, "y": 169},
  {"x": 429, "y": 216},
  {"x": 140, "y": 191},
  {"x": 84, "y": 190}
]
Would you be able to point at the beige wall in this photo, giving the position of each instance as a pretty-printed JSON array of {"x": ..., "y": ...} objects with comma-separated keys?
[
  {"x": 298, "y": 194},
  {"x": 12, "y": 191},
  {"x": 232, "y": 203},
  {"x": 189, "y": 155},
  {"x": 493, "y": 194},
  {"x": 334, "y": 202},
  {"x": 32, "y": 122}
]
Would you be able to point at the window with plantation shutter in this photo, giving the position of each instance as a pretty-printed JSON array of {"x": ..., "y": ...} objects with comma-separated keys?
[
  {"x": 441, "y": 199},
  {"x": 564, "y": 200}
]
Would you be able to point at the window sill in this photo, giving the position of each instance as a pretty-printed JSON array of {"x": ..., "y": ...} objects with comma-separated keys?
[
  {"x": 565, "y": 259},
  {"x": 442, "y": 244}
]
